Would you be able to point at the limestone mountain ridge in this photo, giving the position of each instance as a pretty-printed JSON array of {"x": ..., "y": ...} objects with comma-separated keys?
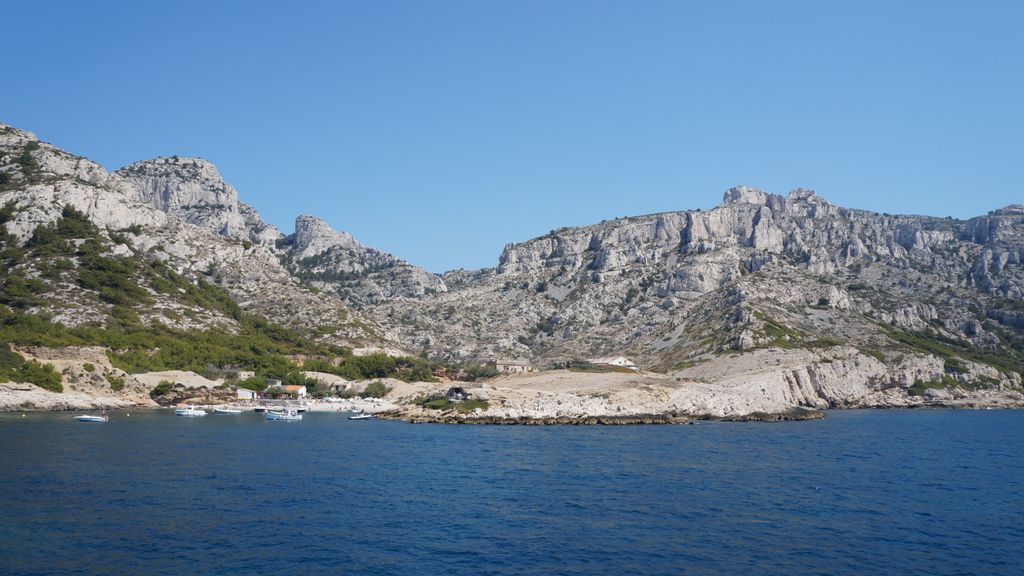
[{"x": 837, "y": 304}]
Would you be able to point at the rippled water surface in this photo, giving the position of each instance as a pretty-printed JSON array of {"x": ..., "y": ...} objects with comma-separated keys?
[{"x": 888, "y": 492}]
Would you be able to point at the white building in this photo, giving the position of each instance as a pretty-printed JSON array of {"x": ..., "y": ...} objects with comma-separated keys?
[
  {"x": 620, "y": 361},
  {"x": 517, "y": 366},
  {"x": 246, "y": 394}
]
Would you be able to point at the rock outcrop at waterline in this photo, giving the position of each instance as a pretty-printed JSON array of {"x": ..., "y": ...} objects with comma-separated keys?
[
  {"x": 564, "y": 397},
  {"x": 633, "y": 420}
]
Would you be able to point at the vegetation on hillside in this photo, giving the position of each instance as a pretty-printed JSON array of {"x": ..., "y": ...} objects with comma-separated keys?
[
  {"x": 952, "y": 350},
  {"x": 73, "y": 249},
  {"x": 14, "y": 368}
]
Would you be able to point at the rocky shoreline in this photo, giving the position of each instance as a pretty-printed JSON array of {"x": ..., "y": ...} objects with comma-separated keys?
[
  {"x": 557, "y": 397},
  {"x": 631, "y": 420},
  {"x": 52, "y": 402}
]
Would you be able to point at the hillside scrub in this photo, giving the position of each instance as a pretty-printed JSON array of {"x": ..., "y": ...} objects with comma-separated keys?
[
  {"x": 14, "y": 368},
  {"x": 375, "y": 390}
]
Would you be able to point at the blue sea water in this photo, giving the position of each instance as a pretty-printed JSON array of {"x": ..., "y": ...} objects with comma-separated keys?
[{"x": 860, "y": 492}]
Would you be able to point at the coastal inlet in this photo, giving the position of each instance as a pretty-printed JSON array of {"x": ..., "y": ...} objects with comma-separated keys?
[{"x": 879, "y": 492}]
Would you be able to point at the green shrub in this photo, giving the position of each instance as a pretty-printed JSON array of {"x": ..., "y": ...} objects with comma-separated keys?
[
  {"x": 579, "y": 364},
  {"x": 920, "y": 386},
  {"x": 116, "y": 382},
  {"x": 254, "y": 383},
  {"x": 375, "y": 390},
  {"x": 28, "y": 163},
  {"x": 471, "y": 405},
  {"x": 118, "y": 237},
  {"x": 439, "y": 404},
  {"x": 876, "y": 354},
  {"x": 20, "y": 292},
  {"x": 89, "y": 367},
  {"x": 7, "y": 212},
  {"x": 945, "y": 347},
  {"x": 475, "y": 372},
  {"x": 350, "y": 367},
  {"x": 9, "y": 359},
  {"x": 162, "y": 389},
  {"x": 14, "y": 368},
  {"x": 954, "y": 366},
  {"x": 375, "y": 365},
  {"x": 42, "y": 375},
  {"x": 823, "y": 342}
]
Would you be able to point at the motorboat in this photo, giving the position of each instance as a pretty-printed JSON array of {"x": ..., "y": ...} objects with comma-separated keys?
[
  {"x": 226, "y": 410},
  {"x": 189, "y": 410},
  {"x": 91, "y": 418},
  {"x": 283, "y": 415},
  {"x": 361, "y": 416}
]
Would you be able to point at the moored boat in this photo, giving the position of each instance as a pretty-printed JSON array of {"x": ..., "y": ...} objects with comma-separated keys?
[
  {"x": 282, "y": 415},
  {"x": 91, "y": 418},
  {"x": 189, "y": 410},
  {"x": 361, "y": 417},
  {"x": 226, "y": 410}
]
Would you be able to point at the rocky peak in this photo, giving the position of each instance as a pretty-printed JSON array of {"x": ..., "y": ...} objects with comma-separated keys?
[
  {"x": 24, "y": 158},
  {"x": 10, "y": 133},
  {"x": 1011, "y": 210},
  {"x": 804, "y": 195},
  {"x": 314, "y": 236},
  {"x": 193, "y": 190},
  {"x": 335, "y": 260},
  {"x": 39, "y": 179},
  {"x": 179, "y": 183},
  {"x": 745, "y": 195}
]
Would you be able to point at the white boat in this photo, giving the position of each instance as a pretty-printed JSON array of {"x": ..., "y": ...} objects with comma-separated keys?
[
  {"x": 361, "y": 417},
  {"x": 189, "y": 410},
  {"x": 226, "y": 410},
  {"x": 91, "y": 418},
  {"x": 289, "y": 415}
]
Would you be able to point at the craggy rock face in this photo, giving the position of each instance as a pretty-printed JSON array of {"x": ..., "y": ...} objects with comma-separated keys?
[
  {"x": 337, "y": 262},
  {"x": 193, "y": 191},
  {"x": 181, "y": 394},
  {"x": 757, "y": 271},
  {"x": 174, "y": 210},
  {"x": 873, "y": 302}
]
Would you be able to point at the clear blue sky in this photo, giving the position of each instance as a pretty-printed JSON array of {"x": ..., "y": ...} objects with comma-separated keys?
[{"x": 440, "y": 130}]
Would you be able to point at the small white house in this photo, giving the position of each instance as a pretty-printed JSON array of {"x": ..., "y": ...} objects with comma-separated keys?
[
  {"x": 517, "y": 366},
  {"x": 620, "y": 361},
  {"x": 246, "y": 394}
]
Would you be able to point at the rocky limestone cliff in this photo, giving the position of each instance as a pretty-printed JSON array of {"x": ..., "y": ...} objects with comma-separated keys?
[
  {"x": 192, "y": 190},
  {"x": 335, "y": 261},
  {"x": 39, "y": 178},
  {"x": 150, "y": 212},
  {"x": 828, "y": 306},
  {"x": 760, "y": 271}
]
